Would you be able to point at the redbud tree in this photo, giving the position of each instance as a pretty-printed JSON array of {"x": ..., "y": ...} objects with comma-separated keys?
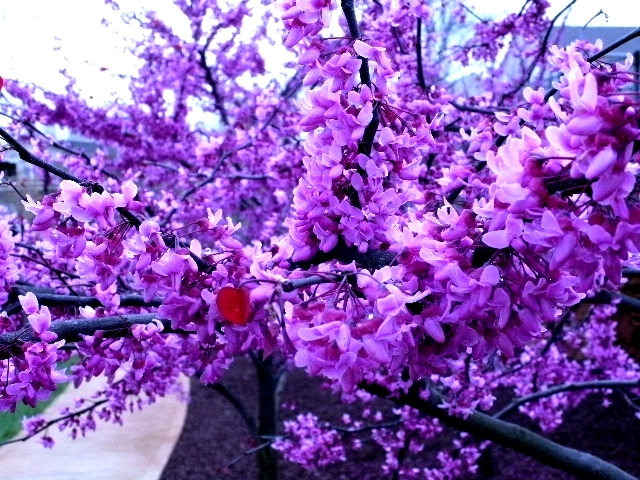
[{"x": 367, "y": 219}]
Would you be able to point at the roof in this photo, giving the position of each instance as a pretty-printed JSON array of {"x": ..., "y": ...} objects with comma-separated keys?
[{"x": 608, "y": 35}]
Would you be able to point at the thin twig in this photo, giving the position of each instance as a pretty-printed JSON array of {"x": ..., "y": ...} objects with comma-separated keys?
[
  {"x": 246, "y": 453},
  {"x": 53, "y": 422},
  {"x": 597, "y": 56},
  {"x": 238, "y": 405},
  {"x": 484, "y": 111},
  {"x": 217, "y": 99},
  {"x": 568, "y": 387}
]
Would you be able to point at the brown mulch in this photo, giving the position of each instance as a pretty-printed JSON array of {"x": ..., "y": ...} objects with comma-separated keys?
[{"x": 214, "y": 436}]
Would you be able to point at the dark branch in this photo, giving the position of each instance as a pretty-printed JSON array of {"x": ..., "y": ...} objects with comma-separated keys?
[
  {"x": 473, "y": 14},
  {"x": 60, "y": 173},
  {"x": 396, "y": 34},
  {"x": 453, "y": 195},
  {"x": 239, "y": 406},
  {"x": 601, "y": 12},
  {"x": 57, "y": 300},
  {"x": 346, "y": 432},
  {"x": 569, "y": 387},
  {"x": 366, "y": 144},
  {"x": 217, "y": 99},
  {"x": 349, "y": 11},
  {"x": 421, "y": 80},
  {"x": 557, "y": 331},
  {"x": 250, "y": 451},
  {"x": 38, "y": 162},
  {"x": 55, "y": 144},
  {"x": 608, "y": 296},
  {"x": 371, "y": 259},
  {"x": 465, "y": 108},
  {"x": 517, "y": 438},
  {"x": 402, "y": 454},
  {"x": 291, "y": 285},
  {"x": 246, "y": 176},
  {"x": 57, "y": 271},
  {"x": 70, "y": 330},
  {"x": 212, "y": 176},
  {"x": 46, "y": 425}
]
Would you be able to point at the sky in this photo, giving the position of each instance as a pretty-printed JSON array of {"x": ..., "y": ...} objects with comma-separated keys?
[{"x": 38, "y": 37}]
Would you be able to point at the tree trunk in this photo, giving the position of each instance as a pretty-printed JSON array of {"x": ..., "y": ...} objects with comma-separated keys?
[{"x": 271, "y": 380}]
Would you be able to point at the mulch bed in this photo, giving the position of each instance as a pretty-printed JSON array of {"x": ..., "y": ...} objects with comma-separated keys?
[{"x": 214, "y": 435}]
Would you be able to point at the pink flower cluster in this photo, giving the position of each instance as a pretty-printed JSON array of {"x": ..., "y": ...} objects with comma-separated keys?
[
  {"x": 352, "y": 186},
  {"x": 310, "y": 444}
]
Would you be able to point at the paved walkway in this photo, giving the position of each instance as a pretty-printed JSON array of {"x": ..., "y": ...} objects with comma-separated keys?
[{"x": 138, "y": 450}]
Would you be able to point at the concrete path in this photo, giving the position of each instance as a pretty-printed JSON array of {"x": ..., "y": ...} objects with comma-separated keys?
[{"x": 138, "y": 450}]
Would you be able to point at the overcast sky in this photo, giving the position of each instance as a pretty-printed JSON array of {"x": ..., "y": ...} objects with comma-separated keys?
[{"x": 30, "y": 30}]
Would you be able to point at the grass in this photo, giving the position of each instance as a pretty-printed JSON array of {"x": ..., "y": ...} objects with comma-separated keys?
[{"x": 11, "y": 423}]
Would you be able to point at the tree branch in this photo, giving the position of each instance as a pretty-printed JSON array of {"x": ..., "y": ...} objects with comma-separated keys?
[
  {"x": 28, "y": 157},
  {"x": 453, "y": 195},
  {"x": 569, "y": 387},
  {"x": 371, "y": 259},
  {"x": 557, "y": 330},
  {"x": 246, "y": 453},
  {"x": 403, "y": 453},
  {"x": 55, "y": 144},
  {"x": 597, "y": 56},
  {"x": 60, "y": 173},
  {"x": 24, "y": 438},
  {"x": 509, "y": 435},
  {"x": 217, "y": 99},
  {"x": 421, "y": 80},
  {"x": 366, "y": 144},
  {"x": 396, "y": 34},
  {"x": 349, "y": 11},
  {"x": 212, "y": 176},
  {"x": 239, "y": 406},
  {"x": 58, "y": 300},
  {"x": 70, "y": 330},
  {"x": 291, "y": 285},
  {"x": 246, "y": 176},
  {"x": 484, "y": 111},
  {"x": 604, "y": 297},
  {"x": 55, "y": 270}
]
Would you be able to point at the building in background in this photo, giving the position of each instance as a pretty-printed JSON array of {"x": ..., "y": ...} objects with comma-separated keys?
[
  {"x": 608, "y": 35},
  {"x": 30, "y": 180}
]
